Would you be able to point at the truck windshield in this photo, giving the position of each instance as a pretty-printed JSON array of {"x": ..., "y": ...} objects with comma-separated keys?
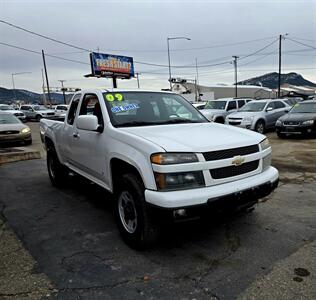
[
  {"x": 253, "y": 106},
  {"x": 215, "y": 105},
  {"x": 150, "y": 108}
]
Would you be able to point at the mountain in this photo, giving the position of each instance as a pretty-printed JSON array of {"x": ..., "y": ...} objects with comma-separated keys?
[
  {"x": 8, "y": 96},
  {"x": 270, "y": 80}
]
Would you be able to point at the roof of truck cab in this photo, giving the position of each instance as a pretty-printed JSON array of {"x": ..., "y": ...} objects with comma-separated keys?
[{"x": 112, "y": 90}]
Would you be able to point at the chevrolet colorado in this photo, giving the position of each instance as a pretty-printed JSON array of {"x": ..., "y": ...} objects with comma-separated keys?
[{"x": 158, "y": 155}]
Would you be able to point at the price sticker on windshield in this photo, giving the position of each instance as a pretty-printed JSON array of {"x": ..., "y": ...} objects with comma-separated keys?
[
  {"x": 114, "y": 97},
  {"x": 296, "y": 105}
]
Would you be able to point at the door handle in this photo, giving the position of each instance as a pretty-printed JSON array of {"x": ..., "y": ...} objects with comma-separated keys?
[{"x": 76, "y": 135}]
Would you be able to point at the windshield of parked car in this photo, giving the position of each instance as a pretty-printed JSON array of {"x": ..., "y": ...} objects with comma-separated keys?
[
  {"x": 5, "y": 107},
  {"x": 39, "y": 107},
  {"x": 253, "y": 106},
  {"x": 149, "y": 108},
  {"x": 215, "y": 105},
  {"x": 8, "y": 119},
  {"x": 304, "y": 108},
  {"x": 290, "y": 102}
]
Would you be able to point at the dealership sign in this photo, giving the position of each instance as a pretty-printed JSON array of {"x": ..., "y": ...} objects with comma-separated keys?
[{"x": 108, "y": 65}]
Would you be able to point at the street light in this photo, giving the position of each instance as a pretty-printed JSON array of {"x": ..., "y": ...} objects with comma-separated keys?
[
  {"x": 173, "y": 38},
  {"x": 13, "y": 74}
]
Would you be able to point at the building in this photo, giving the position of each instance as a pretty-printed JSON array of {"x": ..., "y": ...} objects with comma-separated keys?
[{"x": 221, "y": 91}]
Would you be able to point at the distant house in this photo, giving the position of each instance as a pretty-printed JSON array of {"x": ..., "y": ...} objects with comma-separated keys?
[{"x": 222, "y": 91}]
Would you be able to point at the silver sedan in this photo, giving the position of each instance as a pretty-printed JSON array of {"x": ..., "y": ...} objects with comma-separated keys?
[{"x": 13, "y": 131}]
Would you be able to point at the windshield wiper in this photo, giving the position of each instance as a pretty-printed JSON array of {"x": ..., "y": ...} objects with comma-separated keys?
[
  {"x": 178, "y": 121},
  {"x": 136, "y": 123}
]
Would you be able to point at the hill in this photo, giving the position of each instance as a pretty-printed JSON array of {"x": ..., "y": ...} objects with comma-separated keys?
[
  {"x": 8, "y": 96},
  {"x": 270, "y": 80}
]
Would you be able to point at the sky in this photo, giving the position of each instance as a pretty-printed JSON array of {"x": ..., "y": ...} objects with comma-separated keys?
[{"x": 217, "y": 31}]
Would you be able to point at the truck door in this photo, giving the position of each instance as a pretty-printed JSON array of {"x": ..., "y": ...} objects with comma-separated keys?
[
  {"x": 88, "y": 146},
  {"x": 67, "y": 136}
]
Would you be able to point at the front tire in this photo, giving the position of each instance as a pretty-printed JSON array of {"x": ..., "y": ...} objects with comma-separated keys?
[
  {"x": 133, "y": 218},
  {"x": 260, "y": 127},
  {"x": 281, "y": 135},
  {"x": 38, "y": 118},
  {"x": 58, "y": 173}
]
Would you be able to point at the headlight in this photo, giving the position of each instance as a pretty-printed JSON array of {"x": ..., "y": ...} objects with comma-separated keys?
[
  {"x": 248, "y": 119},
  {"x": 265, "y": 144},
  {"x": 309, "y": 122},
  {"x": 179, "y": 181},
  {"x": 25, "y": 130},
  {"x": 278, "y": 122},
  {"x": 173, "y": 158},
  {"x": 266, "y": 162}
]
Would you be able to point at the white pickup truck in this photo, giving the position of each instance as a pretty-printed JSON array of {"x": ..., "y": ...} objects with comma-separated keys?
[{"x": 159, "y": 155}]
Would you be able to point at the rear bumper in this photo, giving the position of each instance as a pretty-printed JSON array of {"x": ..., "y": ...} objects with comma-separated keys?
[{"x": 253, "y": 188}]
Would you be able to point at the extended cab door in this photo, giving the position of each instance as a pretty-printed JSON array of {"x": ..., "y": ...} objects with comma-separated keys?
[
  {"x": 88, "y": 147},
  {"x": 67, "y": 135}
]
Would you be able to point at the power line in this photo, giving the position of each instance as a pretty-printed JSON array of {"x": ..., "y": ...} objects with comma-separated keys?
[
  {"x": 259, "y": 50},
  {"x": 124, "y": 50},
  {"x": 297, "y": 42},
  {"x": 309, "y": 40},
  {"x": 49, "y": 55}
]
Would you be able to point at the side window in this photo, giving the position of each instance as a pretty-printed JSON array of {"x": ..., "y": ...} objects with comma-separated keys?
[
  {"x": 231, "y": 105},
  {"x": 73, "y": 110},
  {"x": 279, "y": 104},
  {"x": 241, "y": 103},
  {"x": 272, "y": 105},
  {"x": 91, "y": 106}
]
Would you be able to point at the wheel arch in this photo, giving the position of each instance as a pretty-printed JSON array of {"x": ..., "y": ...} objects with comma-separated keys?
[{"x": 119, "y": 167}]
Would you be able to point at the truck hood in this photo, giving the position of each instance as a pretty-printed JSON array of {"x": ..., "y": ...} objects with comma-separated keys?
[
  {"x": 244, "y": 114},
  {"x": 212, "y": 112},
  {"x": 200, "y": 137}
]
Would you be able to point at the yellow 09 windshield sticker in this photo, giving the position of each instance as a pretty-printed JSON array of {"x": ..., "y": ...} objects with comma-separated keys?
[
  {"x": 111, "y": 97},
  {"x": 296, "y": 105}
]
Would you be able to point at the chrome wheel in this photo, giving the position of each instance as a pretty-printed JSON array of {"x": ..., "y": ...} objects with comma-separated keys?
[
  {"x": 260, "y": 127},
  {"x": 127, "y": 211}
]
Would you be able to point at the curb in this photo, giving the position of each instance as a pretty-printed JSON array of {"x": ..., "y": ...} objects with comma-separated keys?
[{"x": 17, "y": 154}]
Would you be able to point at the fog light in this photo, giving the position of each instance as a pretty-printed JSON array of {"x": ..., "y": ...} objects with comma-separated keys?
[{"x": 178, "y": 213}]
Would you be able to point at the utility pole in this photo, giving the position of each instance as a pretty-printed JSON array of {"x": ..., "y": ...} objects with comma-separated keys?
[
  {"x": 137, "y": 77},
  {"x": 13, "y": 87},
  {"x": 235, "y": 66},
  {"x": 63, "y": 89},
  {"x": 280, "y": 54},
  {"x": 44, "y": 95},
  {"x": 281, "y": 37},
  {"x": 47, "y": 83},
  {"x": 197, "y": 79}
]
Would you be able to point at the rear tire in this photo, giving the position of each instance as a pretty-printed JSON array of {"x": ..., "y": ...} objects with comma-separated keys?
[
  {"x": 260, "y": 127},
  {"x": 58, "y": 173},
  {"x": 133, "y": 218}
]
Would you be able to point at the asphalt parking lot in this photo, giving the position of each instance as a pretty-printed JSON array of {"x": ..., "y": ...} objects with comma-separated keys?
[{"x": 72, "y": 238}]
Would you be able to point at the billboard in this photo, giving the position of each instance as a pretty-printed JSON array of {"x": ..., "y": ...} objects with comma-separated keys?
[{"x": 108, "y": 65}]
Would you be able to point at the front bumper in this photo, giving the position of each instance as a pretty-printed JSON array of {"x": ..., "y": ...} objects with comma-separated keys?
[
  {"x": 15, "y": 138},
  {"x": 296, "y": 130},
  {"x": 240, "y": 124},
  {"x": 254, "y": 187}
]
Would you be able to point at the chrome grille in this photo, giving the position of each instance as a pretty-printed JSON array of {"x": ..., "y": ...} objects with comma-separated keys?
[{"x": 9, "y": 132}]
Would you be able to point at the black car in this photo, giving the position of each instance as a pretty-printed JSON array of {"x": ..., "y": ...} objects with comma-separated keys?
[{"x": 301, "y": 120}]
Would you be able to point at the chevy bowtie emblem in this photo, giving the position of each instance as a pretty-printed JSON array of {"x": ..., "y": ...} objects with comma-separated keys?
[{"x": 238, "y": 160}]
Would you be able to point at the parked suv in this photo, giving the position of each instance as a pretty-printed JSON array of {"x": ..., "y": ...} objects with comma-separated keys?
[
  {"x": 9, "y": 109},
  {"x": 37, "y": 112},
  {"x": 259, "y": 115},
  {"x": 217, "y": 110}
]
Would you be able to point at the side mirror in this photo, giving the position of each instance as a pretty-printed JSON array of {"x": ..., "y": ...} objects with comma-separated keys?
[
  {"x": 269, "y": 109},
  {"x": 87, "y": 122}
]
